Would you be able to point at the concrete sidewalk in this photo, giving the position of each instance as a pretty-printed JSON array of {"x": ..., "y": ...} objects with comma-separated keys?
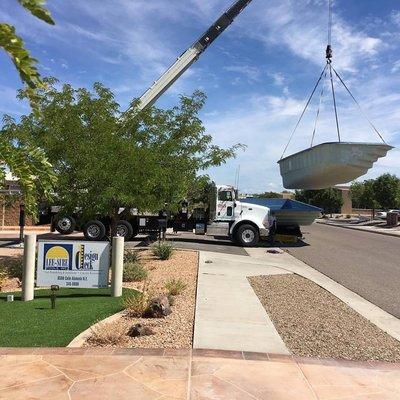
[
  {"x": 229, "y": 315},
  {"x": 155, "y": 374},
  {"x": 395, "y": 232}
]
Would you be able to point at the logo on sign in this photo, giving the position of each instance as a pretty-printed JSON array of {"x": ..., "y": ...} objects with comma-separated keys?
[
  {"x": 86, "y": 260},
  {"x": 57, "y": 257}
]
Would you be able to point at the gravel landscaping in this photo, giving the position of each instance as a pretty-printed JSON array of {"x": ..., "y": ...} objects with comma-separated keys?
[
  {"x": 314, "y": 323},
  {"x": 175, "y": 330}
]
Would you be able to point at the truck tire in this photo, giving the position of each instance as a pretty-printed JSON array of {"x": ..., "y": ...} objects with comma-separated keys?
[
  {"x": 94, "y": 230},
  {"x": 247, "y": 235},
  {"x": 64, "y": 225},
  {"x": 124, "y": 229}
]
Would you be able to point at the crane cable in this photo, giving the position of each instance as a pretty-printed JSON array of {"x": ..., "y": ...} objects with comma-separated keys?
[{"x": 329, "y": 56}]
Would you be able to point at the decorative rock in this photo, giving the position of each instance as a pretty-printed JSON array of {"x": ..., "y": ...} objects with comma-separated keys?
[
  {"x": 159, "y": 307},
  {"x": 140, "y": 330}
]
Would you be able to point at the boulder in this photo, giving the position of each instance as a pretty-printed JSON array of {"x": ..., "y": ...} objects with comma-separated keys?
[
  {"x": 159, "y": 307},
  {"x": 140, "y": 330}
]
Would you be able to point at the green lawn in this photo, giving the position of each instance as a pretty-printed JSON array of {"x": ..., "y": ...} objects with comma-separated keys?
[{"x": 35, "y": 324}]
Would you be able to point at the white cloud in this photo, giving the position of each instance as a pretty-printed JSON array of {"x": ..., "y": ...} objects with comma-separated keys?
[
  {"x": 278, "y": 78},
  {"x": 396, "y": 66},
  {"x": 252, "y": 73},
  {"x": 302, "y": 28},
  {"x": 395, "y": 16}
]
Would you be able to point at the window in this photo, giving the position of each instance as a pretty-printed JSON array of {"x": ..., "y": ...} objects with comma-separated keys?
[{"x": 225, "y": 195}]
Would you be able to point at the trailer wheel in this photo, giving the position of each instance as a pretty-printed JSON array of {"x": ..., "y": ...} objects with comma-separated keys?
[
  {"x": 65, "y": 225},
  {"x": 247, "y": 235},
  {"x": 94, "y": 230},
  {"x": 124, "y": 229}
]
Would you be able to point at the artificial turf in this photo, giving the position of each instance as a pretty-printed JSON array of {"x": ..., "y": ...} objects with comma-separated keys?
[{"x": 36, "y": 324}]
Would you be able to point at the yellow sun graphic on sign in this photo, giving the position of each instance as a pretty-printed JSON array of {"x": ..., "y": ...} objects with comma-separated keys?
[{"x": 57, "y": 252}]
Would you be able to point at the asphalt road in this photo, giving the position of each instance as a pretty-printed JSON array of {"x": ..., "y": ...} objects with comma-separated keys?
[
  {"x": 184, "y": 240},
  {"x": 366, "y": 263}
]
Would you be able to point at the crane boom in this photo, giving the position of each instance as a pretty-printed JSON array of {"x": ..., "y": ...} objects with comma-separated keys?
[{"x": 191, "y": 55}]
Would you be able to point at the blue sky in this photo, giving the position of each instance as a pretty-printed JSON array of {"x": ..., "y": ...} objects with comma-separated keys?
[{"x": 257, "y": 75}]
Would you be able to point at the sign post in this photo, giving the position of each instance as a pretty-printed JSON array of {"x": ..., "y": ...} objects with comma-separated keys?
[
  {"x": 117, "y": 265},
  {"x": 73, "y": 264},
  {"x": 28, "y": 271}
]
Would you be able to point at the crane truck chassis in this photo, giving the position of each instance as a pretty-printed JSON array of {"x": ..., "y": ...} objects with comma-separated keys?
[{"x": 224, "y": 216}]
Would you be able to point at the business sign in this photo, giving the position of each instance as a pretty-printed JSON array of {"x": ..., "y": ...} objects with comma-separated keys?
[{"x": 73, "y": 264}]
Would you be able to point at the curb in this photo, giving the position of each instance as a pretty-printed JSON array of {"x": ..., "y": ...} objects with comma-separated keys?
[
  {"x": 80, "y": 340},
  {"x": 376, "y": 315},
  {"x": 360, "y": 230}
]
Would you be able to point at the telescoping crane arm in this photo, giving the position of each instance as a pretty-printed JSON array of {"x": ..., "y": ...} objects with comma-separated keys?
[{"x": 191, "y": 55}]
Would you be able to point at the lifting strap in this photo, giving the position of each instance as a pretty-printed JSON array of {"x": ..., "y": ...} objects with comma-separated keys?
[
  {"x": 319, "y": 108},
  {"x": 334, "y": 101},
  {"x": 359, "y": 107},
  {"x": 305, "y": 109}
]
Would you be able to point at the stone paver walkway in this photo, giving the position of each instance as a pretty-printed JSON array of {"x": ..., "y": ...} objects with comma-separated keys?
[
  {"x": 79, "y": 374},
  {"x": 229, "y": 315}
]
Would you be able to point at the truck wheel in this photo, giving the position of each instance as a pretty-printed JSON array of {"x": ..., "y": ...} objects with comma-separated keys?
[
  {"x": 94, "y": 230},
  {"x": 65, "y": 225},
  {"x": 124, "y": 229},
  {"x": 247, "y": 236}
]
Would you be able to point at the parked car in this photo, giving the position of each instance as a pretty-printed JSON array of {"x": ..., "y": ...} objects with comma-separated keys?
[{"x": 383, "y": 214}]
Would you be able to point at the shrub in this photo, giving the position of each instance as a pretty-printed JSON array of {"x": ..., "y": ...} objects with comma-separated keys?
[
  {"x": 175, "y": 286},
  {"x": 131, "y": 256},
  {"x": 163, "y": 250},
  {"x": 136, "y": 304},
  {"x": 3, "y": 278},
  {"x": 134, "y": 272},
  {"x": 13, "y": 267},
  {"x": 112, "y": 334}
]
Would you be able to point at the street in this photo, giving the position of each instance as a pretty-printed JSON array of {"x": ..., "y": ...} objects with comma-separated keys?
[{"x": 366, "y": 263}]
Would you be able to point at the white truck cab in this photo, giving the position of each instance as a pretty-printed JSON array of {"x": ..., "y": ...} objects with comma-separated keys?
[{"x": 245, "y": 223}]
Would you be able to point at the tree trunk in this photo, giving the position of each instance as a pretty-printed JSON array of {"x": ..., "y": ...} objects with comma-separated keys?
[{"x": 113, "y": 225}]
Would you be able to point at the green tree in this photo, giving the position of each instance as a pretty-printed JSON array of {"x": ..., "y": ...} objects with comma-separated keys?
[
  {"x": 330, "y": 200},
  {"x": 200, "y": 190},
  {"x": 268, "y": 195},
  {"x": 15, "y": 47},
  {"x": 30, "y": 165},
  {"x": 27, "y": 163},
  {"x": 357, "y": 195},
  {"x": 105, "y": 159},
  {"x": 387, "y": 191},
  {"x": 369, "y": 196}
]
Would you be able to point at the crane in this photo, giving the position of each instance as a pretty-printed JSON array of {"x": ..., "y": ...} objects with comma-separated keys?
[{"x": 191, "y": 55}]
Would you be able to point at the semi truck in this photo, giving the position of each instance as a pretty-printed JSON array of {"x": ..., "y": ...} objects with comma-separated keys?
[{"x": 226, "y": 215}]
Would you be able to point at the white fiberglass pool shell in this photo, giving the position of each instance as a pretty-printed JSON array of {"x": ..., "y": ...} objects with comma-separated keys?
[{"x": 330, "y": 164}]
